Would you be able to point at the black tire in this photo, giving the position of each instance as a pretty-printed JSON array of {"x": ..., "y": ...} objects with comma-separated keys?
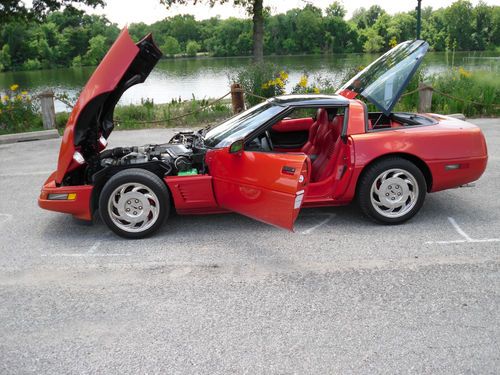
[
  {"x": 159, "y": 206},
  {"x": 374, "y": 172}
]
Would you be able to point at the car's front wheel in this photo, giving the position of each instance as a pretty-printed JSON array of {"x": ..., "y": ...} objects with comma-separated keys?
[
  {"x": 134, "y": 203},
  {"x": 392, "y": 191}
]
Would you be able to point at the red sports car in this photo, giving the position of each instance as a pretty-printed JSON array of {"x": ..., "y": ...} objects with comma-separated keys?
[{"x": 266, "y": 162}]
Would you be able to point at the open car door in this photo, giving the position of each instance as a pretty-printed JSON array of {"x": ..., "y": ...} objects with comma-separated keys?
[{"x": 265, "y": 186}]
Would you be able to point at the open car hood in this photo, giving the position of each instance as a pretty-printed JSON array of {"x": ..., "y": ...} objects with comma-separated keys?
[
  {"x": 384, "y": 80},
  {"x": 91, "y": 121}
]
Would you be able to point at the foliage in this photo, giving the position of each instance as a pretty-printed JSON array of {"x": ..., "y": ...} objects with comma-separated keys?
[
  {"x": 171, "y": 46},
  {"x": 265, "y": 80},
  {"x": 70, "y": 37},
  {"x": 192, "y": 48},
  {"x": 18, "y": 112},
  {"x": 253, "y": 7},
  {"x": 148, "y": 114},
  {"x": 18, "y": 10},
  {"x": 63, "y": 37},
  {"x": 97, "y": 49},
  {"x": 474, "y": 93},
  {"x": 304, "y": 87}
]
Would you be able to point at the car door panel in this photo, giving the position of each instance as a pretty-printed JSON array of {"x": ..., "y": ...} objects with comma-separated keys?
[
  {"x": 260, "y": 185},
  {"x": 289, "y": 135}
]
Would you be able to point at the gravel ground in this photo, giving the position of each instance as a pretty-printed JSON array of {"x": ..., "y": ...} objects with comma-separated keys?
[{"x": 225, "y": 294}]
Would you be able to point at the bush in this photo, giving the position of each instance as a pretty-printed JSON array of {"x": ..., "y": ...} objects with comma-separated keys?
[
  {"x": 77, "y": 62},
  {"x": 18, "y": 113},
  {"x": 192, "y": 48},
  {"x": 171, "y": 46},
  {"x": 32, "y": 64},
  {"x": 263, "y": 79},
  {"x": 472, "y": 93}
]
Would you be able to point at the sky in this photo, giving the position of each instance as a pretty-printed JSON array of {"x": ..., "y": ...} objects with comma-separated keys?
[{"x": 125, "y": 12}]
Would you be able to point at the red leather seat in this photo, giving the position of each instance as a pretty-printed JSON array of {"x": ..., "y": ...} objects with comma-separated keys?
[
  {"x": 317, "y": 130},
  {"x": 328, "y": 146}
]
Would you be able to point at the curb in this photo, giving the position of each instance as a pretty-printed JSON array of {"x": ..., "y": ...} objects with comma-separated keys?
[{"x": 29, "y": 136}]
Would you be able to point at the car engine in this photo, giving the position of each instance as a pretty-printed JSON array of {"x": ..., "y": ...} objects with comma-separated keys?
[{"x": 184, "y": 152}]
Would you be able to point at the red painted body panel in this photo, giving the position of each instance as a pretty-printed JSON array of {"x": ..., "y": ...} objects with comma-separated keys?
[
  {"x": 450, "y": 141},
  {"x": 104, "y": 79},
  {"x": 79, "y": 207},
  {"x": 192, "y": 193},
  {"x": 254, "y": 184}
]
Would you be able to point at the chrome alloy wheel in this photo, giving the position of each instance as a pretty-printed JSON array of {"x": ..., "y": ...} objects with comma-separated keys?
[
  {"x": 394, "y": 193},
  {"x": 133, "y": 207}
]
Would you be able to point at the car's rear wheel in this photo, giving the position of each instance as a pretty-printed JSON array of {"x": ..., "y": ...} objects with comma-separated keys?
[
  {"x": 134, "y": 203},
  {"x": 392, "y": 191}
]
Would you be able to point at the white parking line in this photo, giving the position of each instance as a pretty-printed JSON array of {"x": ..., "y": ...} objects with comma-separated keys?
[
  {"x": 94, "y": 247},
  {"x": 323, "y": 222},
  {"x": 458, "y": 229},
  {"x": 461, "y": 232}
]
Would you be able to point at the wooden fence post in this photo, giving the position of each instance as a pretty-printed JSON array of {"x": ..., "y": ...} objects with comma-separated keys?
[
  {"x": 424, "y": 98},
  {"x": 48, "y": 109},
  {"x": 237, "y": 98}
]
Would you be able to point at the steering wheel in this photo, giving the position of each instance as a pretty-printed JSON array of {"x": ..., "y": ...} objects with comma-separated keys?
[{"x": 269, "y": 141}]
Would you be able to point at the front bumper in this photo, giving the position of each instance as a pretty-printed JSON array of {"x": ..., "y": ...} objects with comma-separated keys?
[{"x": 80, "y": 204}]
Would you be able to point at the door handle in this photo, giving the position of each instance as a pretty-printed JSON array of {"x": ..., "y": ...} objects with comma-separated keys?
[{"x": 288, "y": 170}]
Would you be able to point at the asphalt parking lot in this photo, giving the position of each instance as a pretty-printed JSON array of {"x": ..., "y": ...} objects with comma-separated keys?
[{"x": 225, "y": 294}]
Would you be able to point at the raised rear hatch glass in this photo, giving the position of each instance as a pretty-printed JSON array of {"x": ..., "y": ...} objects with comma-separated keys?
[{"x": 383, "y": 81}]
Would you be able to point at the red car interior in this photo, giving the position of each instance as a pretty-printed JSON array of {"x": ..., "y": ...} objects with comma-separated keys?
[
  {"x": 293, "y": 124},
  {"x": 328, "y": 147}
]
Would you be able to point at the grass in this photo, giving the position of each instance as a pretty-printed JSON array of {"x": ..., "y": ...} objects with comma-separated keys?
[
  {"x": 149, "y": 115},
  {"x": 475, "y": 94}
]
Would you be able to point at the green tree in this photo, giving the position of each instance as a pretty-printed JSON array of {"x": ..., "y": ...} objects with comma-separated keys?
[
  {"x": 374, "y": 42},
  {"x": 171, "y": 46},
  {"x": 365, "y": 18},
  {"x": 97, "y": 49},
  {"x": 253, "y": 7},
  {"x": 5, "y": 59},
  {"x": 459, "y": 17},
  {"x": 192, "y": 48},
  {"x": 17, "y": 10},
  {"x": 336, "y": 9}
]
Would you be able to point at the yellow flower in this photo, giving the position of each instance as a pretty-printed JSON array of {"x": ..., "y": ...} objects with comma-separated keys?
[
  {"x": 14, "y": 87},
  {"x": 315, "y": 90},
  {"x": 279, "y": 82},
  {"x": 464, "y": 73},
  {"x": 24, "y": 93},
  {"x": 265, "y": 86},
  {"x": 303, "y": 81},
  {"x": 283, "y": 75},
  {"x": 19, "y": 97},
  {"x": 5, "y": 98}
]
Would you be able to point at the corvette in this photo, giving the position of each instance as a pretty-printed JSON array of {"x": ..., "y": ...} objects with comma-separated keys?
[{"x": 267, "y": 162}]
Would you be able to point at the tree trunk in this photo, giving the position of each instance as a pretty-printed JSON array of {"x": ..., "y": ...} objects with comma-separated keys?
[{"x": 258, "y": 31}]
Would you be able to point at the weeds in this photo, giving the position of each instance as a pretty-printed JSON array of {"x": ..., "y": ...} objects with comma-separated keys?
[{"x": 18, "y": 112}]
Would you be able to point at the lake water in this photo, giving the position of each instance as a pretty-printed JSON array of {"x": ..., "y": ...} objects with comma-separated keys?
[{"x": 209, "y": 77}]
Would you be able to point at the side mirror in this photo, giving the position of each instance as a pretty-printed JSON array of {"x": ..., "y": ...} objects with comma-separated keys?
[{"x": 236, "y": 147}]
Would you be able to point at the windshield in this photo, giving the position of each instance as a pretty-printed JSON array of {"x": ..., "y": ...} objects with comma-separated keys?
[
  {"x": 241, "y": 125},
  {"x": 384, "y": 80}
]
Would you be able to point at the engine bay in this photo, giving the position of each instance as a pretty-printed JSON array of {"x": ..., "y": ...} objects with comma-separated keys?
[{"x": 184, "y": 154}]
